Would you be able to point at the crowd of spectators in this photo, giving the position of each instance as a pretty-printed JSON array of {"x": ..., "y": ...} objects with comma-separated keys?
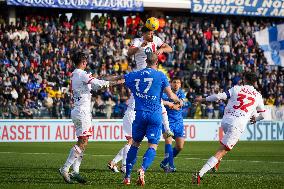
[{"x": 209, "y": 55}]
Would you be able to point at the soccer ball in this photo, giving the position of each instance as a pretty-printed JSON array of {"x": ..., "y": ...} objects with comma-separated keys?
[{"x": 152, "y": 23}]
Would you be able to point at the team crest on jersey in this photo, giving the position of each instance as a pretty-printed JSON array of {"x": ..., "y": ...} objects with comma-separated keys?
[{"x": 148, "y": 51}]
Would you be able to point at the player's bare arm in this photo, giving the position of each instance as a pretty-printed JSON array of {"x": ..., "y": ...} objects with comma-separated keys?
[
  {"x": 172, "y": 95},
  {"x": 165, "y": 48},
  {"x": 171, "y": 105}
]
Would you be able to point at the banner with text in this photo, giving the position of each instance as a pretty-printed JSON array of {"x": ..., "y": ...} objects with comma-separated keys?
[
  {"x": 121, "y": 5},
  {"x": 273, "y": 8},
  {"x": 111, "y": 130}
]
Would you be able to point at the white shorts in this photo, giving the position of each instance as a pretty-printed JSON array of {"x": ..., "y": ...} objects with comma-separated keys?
[
  {"x": 128, "y": 119},
  {"x": 231, "y": 136},
  {"x": 83, "y": 122}
]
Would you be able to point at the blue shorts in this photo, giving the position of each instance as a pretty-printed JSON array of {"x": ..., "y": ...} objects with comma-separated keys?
[
  {"x": 147, "y": 124},
  {"x": 177, "y": 128}
]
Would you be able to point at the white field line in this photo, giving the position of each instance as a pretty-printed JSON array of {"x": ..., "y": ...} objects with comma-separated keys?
[{"x": 104, "y": 155}]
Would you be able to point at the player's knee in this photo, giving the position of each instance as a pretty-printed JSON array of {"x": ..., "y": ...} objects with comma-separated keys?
[
  {"x": 179, "y": 148},
  {"x": 129, "y": 141},
  {"x": 152, "y": 142},
  {"x": 154, "y": 146},
  {"x": 82, "y": 142}
]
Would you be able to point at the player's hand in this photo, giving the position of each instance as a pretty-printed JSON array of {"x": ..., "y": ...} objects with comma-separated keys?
[
  {"x": 253, "y": 120},
  {"x": 159, "y": 51},
  {"x": 144, "y": 44},
  {"x": 171, "y": 105},
  {"x": 176, "y": 107}
]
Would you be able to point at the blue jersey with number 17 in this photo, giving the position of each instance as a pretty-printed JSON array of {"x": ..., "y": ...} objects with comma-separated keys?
[{"x": 147, "y": 86}]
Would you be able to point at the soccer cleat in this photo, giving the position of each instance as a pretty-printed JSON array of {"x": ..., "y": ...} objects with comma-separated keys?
[
  {"x": 163, "y": 166},
  {"x": 196, "y": 178},
  {"x": 169, "y": 133},
  {"x": 77, "y": 177},
  {"x": 123, "y": 169},
  {"x": 65, "y": 176},
  {"x": 112, "y": 166},
  {"x": 126, "y": 181},
  {"x": 141, "y": 179},
  {"x": 216, "y": 167}
]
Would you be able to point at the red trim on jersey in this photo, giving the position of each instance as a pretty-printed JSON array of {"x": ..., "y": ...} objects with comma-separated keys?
[
  {"x": 153, "y": 47},
  {"x": 227, "y": 147},
  {"x": 90, "y": 80},
  {"x": 260, "y": 111},
  {"x": 162, "y": 44}
]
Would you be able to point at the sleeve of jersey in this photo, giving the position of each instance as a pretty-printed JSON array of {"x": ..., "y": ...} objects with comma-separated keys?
[
  {"x": 99, "y": 83},
  {"x": 215, "y": 97},
  {"x": 127, "y": 80},
  {"x": 95, "y": 83},
  {"x": 135, "y": 43},
  {"x": 159, "y": 41},
  {"x": 182, "y": 95},
  {"x": 260, "y": 107},
  {"x": 165, "y": 81},
  {"x": 165, "y": 97}
]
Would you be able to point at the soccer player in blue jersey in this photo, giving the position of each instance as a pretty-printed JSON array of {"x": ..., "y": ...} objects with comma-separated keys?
[
  {"x": 176, "y": 125},
  {"x": 147, "y": 86}
]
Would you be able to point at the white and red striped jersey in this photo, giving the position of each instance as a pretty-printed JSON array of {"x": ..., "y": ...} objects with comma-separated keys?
[
  {"x": 141, "y": 55},
  {"x": 82, "y": 84},
  {"x": 243, "y": 102}
]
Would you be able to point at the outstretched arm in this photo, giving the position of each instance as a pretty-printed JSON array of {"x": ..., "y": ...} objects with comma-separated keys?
[
  {"x": 214, "y": 97},
  {"x": 172, "y": 95}
]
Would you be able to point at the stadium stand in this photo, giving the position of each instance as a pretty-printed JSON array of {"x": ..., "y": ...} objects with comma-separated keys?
[{"x": 210, "y": 54}]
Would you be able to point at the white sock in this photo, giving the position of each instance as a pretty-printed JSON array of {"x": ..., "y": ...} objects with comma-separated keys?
[
  {"x": 209, "y": 165},
  {"x": 73, "y": 155},
  {"x": 77, "y": 163},
  {"x": 166, "y": 121},
  {"x": 125, "y": 151},
  {"x": 118, "y": 156}
]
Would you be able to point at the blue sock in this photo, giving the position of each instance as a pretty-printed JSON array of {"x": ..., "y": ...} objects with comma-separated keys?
[
  {"x": 171, "y": 157},
  {"x": 175, "y": 152},
  {"x": 168, "y": 153},
  {"x": 130, "y": 160},
  {"x": 148, "y": 158}
]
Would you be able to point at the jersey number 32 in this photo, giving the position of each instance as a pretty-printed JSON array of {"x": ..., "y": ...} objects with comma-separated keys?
[{"x": 242, "y": 105}]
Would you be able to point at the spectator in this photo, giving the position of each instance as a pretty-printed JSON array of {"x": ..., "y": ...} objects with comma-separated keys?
[
  {"x": 108, "y": 109},
  {"x": 14, "y": 110}
]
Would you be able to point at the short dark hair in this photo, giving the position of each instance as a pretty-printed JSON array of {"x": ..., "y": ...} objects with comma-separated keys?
[
  {"x": 175, "y": 78},
  {"x": 78, "y": 57},
  {"x": 152, "y": 58},
  {"x": 145, "y": 29},
  {"x": 250, "y": 77}
]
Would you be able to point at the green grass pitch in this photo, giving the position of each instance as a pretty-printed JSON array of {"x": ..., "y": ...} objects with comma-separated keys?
[{"x": 248, "y": 165}]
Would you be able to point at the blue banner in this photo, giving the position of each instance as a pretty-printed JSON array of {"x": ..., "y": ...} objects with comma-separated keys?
[
  {"x": 120, "y": 5},
  {"x": 267, "y": 8}
]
